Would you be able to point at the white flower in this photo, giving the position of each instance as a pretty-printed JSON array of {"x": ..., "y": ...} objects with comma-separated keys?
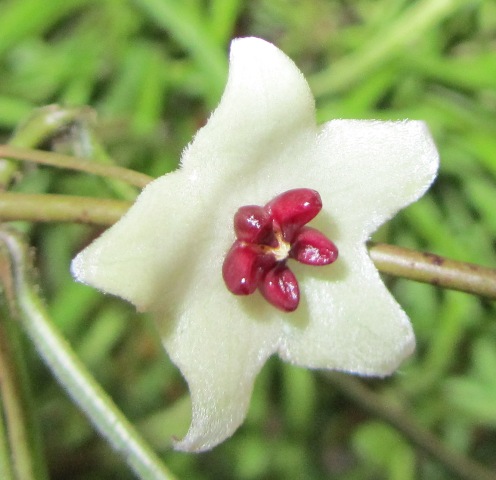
[{"x": 166, "y": 254}]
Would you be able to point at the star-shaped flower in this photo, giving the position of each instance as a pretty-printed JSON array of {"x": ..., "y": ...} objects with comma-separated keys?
[{"x": 166, "y": 255}]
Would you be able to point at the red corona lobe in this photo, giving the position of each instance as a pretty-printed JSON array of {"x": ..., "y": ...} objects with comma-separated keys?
[
  {"x": 240, "y": 269},
  {"x": 293, "y": 209},
  {"x": 252, "y": 224},
  {"x": 266, "y": 237},
  {"x": 313, "y": 248},
  {"x": 280, "y": 288}
]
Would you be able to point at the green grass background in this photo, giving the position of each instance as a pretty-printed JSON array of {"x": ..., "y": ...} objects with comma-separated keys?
[{"x": 152, "y": 70}]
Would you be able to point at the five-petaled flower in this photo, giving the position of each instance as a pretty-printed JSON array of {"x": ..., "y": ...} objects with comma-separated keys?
[{"x": 166, "y": 254}]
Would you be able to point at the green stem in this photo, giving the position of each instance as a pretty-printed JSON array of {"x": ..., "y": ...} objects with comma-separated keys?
[
  {"x": 60, "y": 208},
  {"x": 22, "y": 432},
  {"x": 40, "y": 125},
  {"x": 86, "y": 144},
  {"x": 65, "y": 161},
  {"x": 389, "y": 259},
  {"x": 43, "y": 123},
  {"x": 433, "y": 269},
  {"x": 72, "y": 374},
  {"x": 5, "y": 456},
  {"x": 456, "y": 463},
  {"x": 14, "y": 412}
]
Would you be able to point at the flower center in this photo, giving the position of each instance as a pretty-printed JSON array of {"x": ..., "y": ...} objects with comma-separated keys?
[
  {"x": 281, "y": 251},
  {"x": 266, "y": 237}
]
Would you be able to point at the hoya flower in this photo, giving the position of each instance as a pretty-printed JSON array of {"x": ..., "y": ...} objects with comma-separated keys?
[{"x": 168, "y": 253}]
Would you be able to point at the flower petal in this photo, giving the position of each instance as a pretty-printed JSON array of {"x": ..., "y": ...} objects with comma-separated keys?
[
  {"x": 219, "y": 342},
  {"x": 356, "y": 325},
  {"x": 372, "y": 170},
  {"x": 266, "y": 99},
  {"x": 147, "y": 257},
  {"x": 165, "y": 255}
]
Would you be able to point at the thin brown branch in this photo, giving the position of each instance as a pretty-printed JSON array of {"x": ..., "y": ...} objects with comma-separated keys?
[
  {"x": 389, "y": 259},
  {"x": 433, "y": 269},
  {"x": 60, "y": 208},
  {"x": 73, "y": 163}
]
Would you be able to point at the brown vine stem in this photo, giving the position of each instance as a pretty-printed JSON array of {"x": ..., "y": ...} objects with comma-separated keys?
[
  {"x": 60, "y": 208},
  {"x": 389, "y": 259},
  {"x": 73, "y": 163},
  {"x": 433, "y": 269},
  {"x": 456, "y": 463}
]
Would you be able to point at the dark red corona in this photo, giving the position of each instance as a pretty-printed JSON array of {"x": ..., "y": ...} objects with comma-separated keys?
[{"x": 266, "y": 237}]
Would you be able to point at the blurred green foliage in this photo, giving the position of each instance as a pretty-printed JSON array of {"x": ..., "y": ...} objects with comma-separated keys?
[{"x": 152, "y": 70}]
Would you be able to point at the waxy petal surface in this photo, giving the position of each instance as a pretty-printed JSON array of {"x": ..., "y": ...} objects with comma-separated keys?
[
  {"x": 219, "y": 349},
  {"x": 373, "y": 170},
  {"x": 166, "y": 254},
  {"x": 347, "y": 320}
]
